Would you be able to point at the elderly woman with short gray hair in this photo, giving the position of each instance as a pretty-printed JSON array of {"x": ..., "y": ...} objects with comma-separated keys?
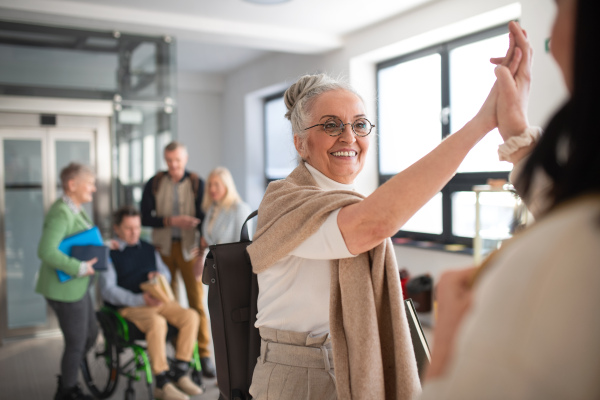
[
  {"x": 330, "y": 310},
  {"x": 70, "y": 300}
]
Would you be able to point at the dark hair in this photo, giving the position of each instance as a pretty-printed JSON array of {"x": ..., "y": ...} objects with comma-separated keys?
[
  {"x": 124, "y": 211},
  {"x": 569, "y": 150},
  {"x": 72, "y": 171}
]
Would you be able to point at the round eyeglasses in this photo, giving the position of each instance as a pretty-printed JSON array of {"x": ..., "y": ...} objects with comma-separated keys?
[{"x": 334, "y": 127}]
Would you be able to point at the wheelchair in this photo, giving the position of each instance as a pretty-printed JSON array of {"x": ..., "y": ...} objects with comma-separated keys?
[{"x": 120, "y": 353}]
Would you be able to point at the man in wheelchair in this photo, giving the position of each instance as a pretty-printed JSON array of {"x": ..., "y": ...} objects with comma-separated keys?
[{"x": 135, "y": 261}]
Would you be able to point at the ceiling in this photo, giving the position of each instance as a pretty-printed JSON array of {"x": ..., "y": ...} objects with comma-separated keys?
[{"x": 217, "y": 36}]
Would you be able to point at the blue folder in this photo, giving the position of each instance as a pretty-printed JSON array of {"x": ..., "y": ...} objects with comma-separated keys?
[{"x": 88, "y": 237}]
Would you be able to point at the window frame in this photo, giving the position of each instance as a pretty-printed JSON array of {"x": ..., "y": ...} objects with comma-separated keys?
[
  {"x": 462, "y": 181},
  {"x": 265, "y": 141}
]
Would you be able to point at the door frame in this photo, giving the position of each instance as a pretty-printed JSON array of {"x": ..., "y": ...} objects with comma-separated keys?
[
  {"x": 19, "y": 133},
  {"x": 23, "y": 114}
]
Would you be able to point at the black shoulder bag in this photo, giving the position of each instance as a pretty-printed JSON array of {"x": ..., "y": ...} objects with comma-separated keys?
[{"x": 232, "y": 297}]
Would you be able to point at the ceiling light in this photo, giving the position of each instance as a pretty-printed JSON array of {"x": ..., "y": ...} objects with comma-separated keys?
[{"x": 267, "y": 1}]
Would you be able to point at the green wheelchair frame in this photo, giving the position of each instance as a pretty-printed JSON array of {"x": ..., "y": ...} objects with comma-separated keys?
[{"x": 101, "y": 368}]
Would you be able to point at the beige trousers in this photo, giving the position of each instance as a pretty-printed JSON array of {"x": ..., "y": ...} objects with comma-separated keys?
[
  {"x": 153, "y": 322},
  {"x": 293, "y": 366},
  {"x": 194, "y": 290}
]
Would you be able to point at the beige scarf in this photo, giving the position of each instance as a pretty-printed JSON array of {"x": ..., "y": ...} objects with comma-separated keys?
[{"x": 372, "y": 348}]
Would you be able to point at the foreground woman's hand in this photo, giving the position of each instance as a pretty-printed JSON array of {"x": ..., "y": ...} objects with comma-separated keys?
[{"x": 453, "y": 297}]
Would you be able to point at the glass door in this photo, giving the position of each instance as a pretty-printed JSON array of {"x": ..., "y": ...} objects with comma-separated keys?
[
  {"x": 31, "y": 161},
  {"x": 23, "y": 179}
]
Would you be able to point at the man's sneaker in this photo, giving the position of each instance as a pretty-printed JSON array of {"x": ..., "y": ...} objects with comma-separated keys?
[
  {"x": 187, "y": 386},
  {"x": 169, "y": 392},
  {"x": 208, "y": 368}
]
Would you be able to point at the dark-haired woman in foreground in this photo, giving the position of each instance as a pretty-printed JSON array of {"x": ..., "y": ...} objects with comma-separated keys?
[{"x": 531, "y": 326}]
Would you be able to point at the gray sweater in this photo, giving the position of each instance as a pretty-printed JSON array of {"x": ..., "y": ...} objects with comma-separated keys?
[{"x": 227, "y": 224}]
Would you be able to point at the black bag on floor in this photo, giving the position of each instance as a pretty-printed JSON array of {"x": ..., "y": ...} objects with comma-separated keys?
[{"x": 232, "y": 297}]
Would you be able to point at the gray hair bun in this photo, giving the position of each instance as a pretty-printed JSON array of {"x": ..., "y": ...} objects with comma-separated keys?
[
  {"x": 299, "y": 97},
  {"x": 302, "y": 89}
]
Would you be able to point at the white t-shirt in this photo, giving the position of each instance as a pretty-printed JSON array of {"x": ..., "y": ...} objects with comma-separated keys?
[{"x": 294, "y": 292}]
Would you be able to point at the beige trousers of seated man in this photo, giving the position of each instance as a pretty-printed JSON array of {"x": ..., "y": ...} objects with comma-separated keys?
[
  {"x": 194, "y": 290},
  {"x": 153, "y": 322}
]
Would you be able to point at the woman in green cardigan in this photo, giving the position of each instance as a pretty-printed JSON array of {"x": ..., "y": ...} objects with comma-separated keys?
[{"x": 70, "y": 300}]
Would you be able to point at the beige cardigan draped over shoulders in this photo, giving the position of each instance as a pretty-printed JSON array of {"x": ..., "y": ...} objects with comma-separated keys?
[{"x": 373, "y": 353}]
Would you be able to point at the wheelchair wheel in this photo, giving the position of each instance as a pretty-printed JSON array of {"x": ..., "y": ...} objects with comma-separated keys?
[{"x": 100, "y": 368}]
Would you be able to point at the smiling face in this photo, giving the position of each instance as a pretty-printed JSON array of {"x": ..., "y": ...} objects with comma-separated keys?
[
  {"x": 129, "y": 230},
  {"x": 216, "y": 188},
  {"x": 563, "y": 39},
  {"x": 82, "y": 188},
  {"x": 340, "y": 158}
]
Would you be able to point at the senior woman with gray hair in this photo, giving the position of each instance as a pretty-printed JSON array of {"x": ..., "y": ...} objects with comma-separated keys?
[
  {"x": 70, "y": 300},
  {"x": 329, "y": 290}
]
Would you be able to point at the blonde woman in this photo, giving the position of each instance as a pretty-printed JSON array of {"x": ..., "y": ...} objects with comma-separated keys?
[{"x": 225, "y": 212}]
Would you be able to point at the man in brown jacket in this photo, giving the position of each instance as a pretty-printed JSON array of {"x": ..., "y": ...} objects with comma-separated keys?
[{"x": 171, "y": 206}]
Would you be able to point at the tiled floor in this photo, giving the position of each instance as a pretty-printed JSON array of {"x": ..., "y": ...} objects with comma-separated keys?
[{"x": 28, "y": 370}]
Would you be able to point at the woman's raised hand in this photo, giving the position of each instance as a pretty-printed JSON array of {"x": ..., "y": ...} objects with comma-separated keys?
[
  {"x": 511, "y": 62},
  {"x": 513, "y": 87}
]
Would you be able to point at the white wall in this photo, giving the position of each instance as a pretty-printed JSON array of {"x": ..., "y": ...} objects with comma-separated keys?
[
  {"x": 200, "y": 118},
  {"x": 242, "y": 136},
  {"x": 548, "y": 91}
]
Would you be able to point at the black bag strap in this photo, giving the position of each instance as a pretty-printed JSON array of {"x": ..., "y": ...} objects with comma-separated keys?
[{"x": 244, "y": 237}]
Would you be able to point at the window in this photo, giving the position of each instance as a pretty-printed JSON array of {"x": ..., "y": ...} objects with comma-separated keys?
[
  {"x": 280, "y": 154},
  {"x": 140, "y": 139},
  {"x": 423, "y": 98}
]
